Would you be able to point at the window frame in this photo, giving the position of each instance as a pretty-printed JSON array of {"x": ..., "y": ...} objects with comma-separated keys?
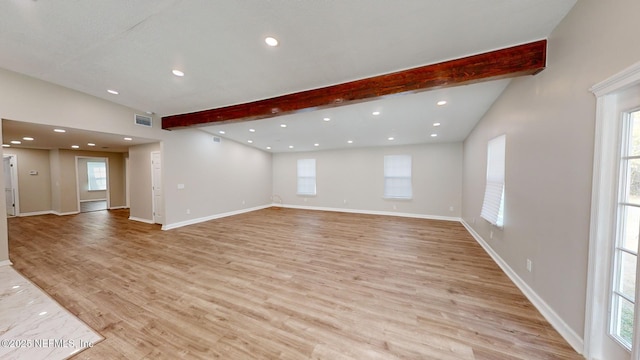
[
  {"x": 304, "y": 175},
  {"x": 393, "y": 174},
  {"x": 493, "y": 201}
]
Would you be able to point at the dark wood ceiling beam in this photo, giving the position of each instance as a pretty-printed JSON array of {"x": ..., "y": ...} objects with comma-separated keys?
[{"x": 527, "y": 59}]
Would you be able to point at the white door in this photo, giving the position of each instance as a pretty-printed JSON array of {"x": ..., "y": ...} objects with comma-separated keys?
[
  {"x": 9, "y": 191},
  {"x": 156, "y": 185}
]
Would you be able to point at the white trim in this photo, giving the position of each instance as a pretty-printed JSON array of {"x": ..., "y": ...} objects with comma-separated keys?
[
  {"x": 38, "y": 213},
  {"x": 370, "y": 212},
  {"x": 147, "y": 221},
  {"x": 212, "y": 217},
  {"x": 627, "y": 77},
  {"x": 6, "y": 263},
  {"x": 603, "y": 198},
  {"x": 554, "y": 319},
  {"x": 118, "y": 207},
  {"x": 65, "y": 213}
]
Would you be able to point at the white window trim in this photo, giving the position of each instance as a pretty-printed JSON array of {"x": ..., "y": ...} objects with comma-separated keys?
[
  {"x": 603, "y": 205},
  {"x": 386, "y": 194},
  {"x": 493, "y": 202},
  {"x": 306, "y": 176}
]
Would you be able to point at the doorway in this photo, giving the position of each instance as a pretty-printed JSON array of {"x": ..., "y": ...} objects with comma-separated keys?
[
  {"x": 92, "y": 175},
  {"x": 11, "y": 184}
]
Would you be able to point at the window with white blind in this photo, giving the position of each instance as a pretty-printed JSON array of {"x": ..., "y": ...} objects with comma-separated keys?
[
  {"x": 306, "y": 176},
  {"x": 493, "y": 204},
  {"x": 97, "y": 173},
  {"x": 397, "y": 177}
]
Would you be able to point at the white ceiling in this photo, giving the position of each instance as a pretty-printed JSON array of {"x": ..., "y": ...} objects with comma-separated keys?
[{"x": 132, "y": 46}]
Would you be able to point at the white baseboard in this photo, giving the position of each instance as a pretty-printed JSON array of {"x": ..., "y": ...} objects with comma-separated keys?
[
  {"x": 6, "y": 263},
  {"x": 118, "y": 207},
  {"x": 212, "y": 217},
  {"x": 36, "y": 213},
  {"x": 141, "y": 220},
  {"x": 90, "y": 200},
  {"x": 554, "y": 319},
  {"x": 370, "y": 212},
  {"x": 65, "y": 213}
]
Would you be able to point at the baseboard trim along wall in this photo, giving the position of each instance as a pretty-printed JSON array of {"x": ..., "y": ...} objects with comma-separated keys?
[
  {"x": 118, "y": 207},
  {"x": 556, "y": 321},
  {"x": 213, "y": 217},
  {"x": 36, "y": 213},
  {"x": 141, "y": 220},
  {"x": 6, "y": 263},
  {"x": 370, "y": 212}
]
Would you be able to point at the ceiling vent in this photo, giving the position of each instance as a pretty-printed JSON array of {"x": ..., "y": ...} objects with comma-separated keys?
[
  {"x": 216, "y": 139},
  {"x": 143, "y": 120}
]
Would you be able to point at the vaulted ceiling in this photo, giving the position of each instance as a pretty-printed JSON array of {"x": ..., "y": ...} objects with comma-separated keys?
[{"x": 133, "y": 46}]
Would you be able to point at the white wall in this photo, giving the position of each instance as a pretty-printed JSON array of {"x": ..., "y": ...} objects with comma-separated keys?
[
  {"x": 549, "y": 122},
  {"x": 218, "y": 177},
  {"x": 357, "y": 176}
]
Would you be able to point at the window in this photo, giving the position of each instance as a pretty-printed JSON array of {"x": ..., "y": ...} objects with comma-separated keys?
[
  {"x": 306, "y": 176},
  {"x": 625, "y": 255},
  {"x": 397, "y": 177},
  {"x": 493, "y": 204},
  {"x": 97, "y": 172}
]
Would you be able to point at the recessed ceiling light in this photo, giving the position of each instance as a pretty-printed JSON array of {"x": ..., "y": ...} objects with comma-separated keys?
[
  {"x": 268, "y": 147},
  {"x": 43, "y": 313},
  {"x": 6, "y": 145},
  {"x": 113, "y": 92},
  {"x": 434, "y": 135},
  {"x": 442, "y": 102},
  {"x": 222, "y": 132},
  {"x": 128, "y": 139},
  {"x": 75, "y": 147},
  {"x": 250, "y": 141},
  {"x": 91, "y": 144},
  {"x": 350, "y": 141},
  {"x": 283, "y": 125},
  {"x": 375, "y": 113},
  {"x": 271, "y": 41},
  {"x": 391, "y": 138},
  {"x": 252, "y": 130},
  {"x": 436, "y": 124},
  {"x": 16, "y": 142},
  {"x": 316, "y": 144},
  {"x": 327, "y": 119},
  {"x": 290, "y": 146},
  {"x": 27, "y": 138},
  {"x": 60, "y": 130},
  {"x": 177, "y": 72}
]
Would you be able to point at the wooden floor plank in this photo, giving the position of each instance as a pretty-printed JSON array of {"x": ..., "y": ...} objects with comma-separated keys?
[{"x": 282, "y": 284}]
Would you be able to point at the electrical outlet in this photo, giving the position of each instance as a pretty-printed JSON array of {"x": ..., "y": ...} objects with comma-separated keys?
[
  {"x": 491, "y": 234},
  {"x": 451, "y": 208},
  {"x": 529, "y": 265},
  {"x": 395, "y": 207},
  {"x": 188, "y": 211},
  {"x": 345, "y": 201}
]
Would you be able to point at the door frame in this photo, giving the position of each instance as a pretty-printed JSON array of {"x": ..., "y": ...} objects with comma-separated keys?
[
  {"x": 604, "y": 198},
  {"x": 107, "y": 194},
  {"x": 155, "y": 218},
  {"x": 13, "y": 160}
]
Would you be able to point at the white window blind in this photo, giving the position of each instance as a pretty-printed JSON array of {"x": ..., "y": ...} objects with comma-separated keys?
[
  {"x": 397, "y": 177},
  {"x": 97, "y": 172},
  {"x": 306, "y": 176},
  {"x": 493, "y": 204}
]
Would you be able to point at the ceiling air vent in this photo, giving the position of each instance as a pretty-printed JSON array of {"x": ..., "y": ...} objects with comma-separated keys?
[
  {"x": 216, "y": 139},
  {"x": 143, "y": 120}
]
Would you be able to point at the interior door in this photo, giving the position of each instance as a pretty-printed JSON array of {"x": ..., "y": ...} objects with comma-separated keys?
[{"x": 156, "y": 184}]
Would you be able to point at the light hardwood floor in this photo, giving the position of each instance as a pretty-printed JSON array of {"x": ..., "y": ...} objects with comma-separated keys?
[{"x": 282, "y": 284}]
